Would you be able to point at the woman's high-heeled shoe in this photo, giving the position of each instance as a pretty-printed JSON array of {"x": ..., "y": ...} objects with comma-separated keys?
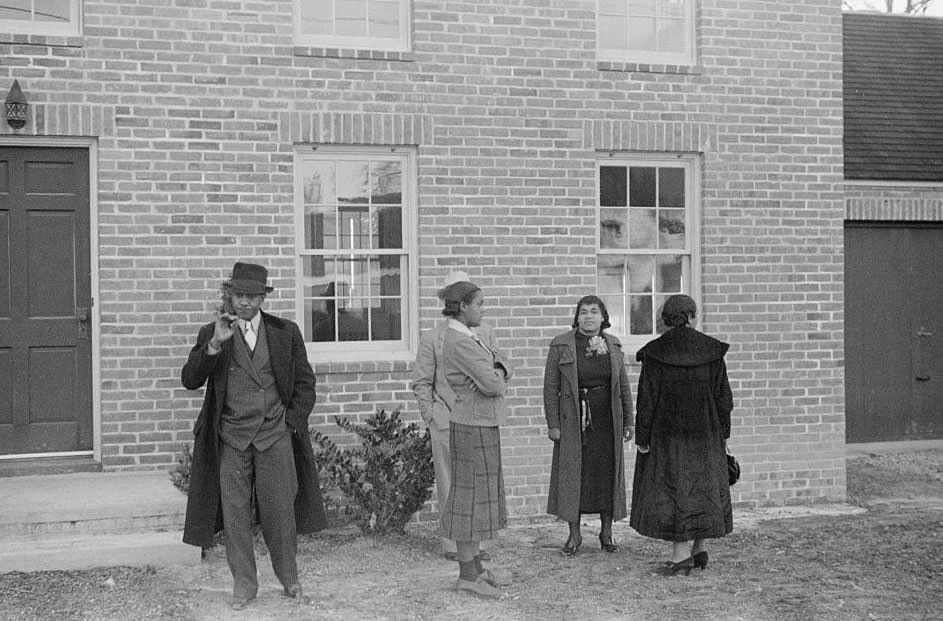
[
  {"x": 570, "y": 548},
  {"x": 700, "y": 560},
  {"x": 608, "y": 544},
  {"x": 684, "y": 567}
]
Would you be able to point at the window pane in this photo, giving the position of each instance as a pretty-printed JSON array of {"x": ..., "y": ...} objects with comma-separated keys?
[
  {"x": 384, "y": 19},
  {"x": 612, "y": 186},
  {"x": 613, "y": 229},
  {"x": 673, "y": 8},
  {"x": 641, "y": 273},
  {"x": 671, "y": 187},
  {"x": 612, "y": 7},
  {"x": 610, "y": 274},
  {"x": 386, "y": 182},
  {"x": 641, "y": 34},
  {"x": 612, "y": 33},
  {"x": 352, "y": 277},
  {"x": 642, "y": 7},
  {"x": 318, "y": 182},
  {"x": 389, "y": 227},
  {"x": 641, "y": 187},
  {"x": 354, "y": 225},
  {"x": 352, "y": 182},
  {"x": 671, "y": 228},
  {"x": 317, "y": 17},
  {"x": 16, "y": 9},
  {"x": 351, "y": 18},
  {"x": 351, "y": 319},
  {"x": 317, "y": 318},
  {"x": 640, "y": 315},
  {"x": 642, "y": 230},
  {"x": 673, "y": 36},
  {"x": 660, "y": 326},
  {"x": 320, "y": 222},
  {"x": 386, "y": 320},
  {"x": 390, "y": 276},
  {"x": 52, "y": 11},
  {"x": 616, "y": 307},
  {"x": 668, "y": 274},
  {"x": 317, "y": 273}
]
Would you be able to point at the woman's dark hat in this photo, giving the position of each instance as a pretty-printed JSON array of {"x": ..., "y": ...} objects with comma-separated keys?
[{"x": 249, "y": 278}]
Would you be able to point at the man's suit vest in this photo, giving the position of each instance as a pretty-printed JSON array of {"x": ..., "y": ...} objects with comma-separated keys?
[{"x": 253, "y": 413}]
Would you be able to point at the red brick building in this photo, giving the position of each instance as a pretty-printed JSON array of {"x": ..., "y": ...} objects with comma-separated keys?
[{"x": 549, "y": 148}]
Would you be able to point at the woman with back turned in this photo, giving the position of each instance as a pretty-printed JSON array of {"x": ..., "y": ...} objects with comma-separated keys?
[{"x": 681, "y": 491}]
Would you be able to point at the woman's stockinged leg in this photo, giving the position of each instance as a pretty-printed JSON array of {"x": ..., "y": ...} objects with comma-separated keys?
[
  {"x": 467, "y": 569},
  {"x": 681, "y": 550}
]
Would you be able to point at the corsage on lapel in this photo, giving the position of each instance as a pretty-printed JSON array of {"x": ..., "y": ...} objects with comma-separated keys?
[{"x": 596, "y": 347}]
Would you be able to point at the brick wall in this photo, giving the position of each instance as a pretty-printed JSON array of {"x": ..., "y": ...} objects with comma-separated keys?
[{"x": 196, "y": 107}]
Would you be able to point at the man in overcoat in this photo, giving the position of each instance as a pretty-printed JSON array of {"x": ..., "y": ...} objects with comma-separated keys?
[{"x": 251, "y": 437}]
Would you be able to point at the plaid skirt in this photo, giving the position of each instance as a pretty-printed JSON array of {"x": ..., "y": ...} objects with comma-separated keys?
[{"x": 476, "y": 508}]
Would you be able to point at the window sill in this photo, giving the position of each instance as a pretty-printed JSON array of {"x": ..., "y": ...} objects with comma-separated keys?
[
  {"x": 623, "y": 67},
  {"x": 333, "y": 52},
  {"x": 48, "y": 40},
  {"x": 328, "y": 365}
]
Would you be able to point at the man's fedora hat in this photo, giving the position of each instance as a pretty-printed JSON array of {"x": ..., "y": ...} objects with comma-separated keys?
[{"x": 249, "y": 278}]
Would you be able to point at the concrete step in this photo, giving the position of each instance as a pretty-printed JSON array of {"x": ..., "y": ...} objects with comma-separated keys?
[
  {"x": 88, "y": 519},
  {"x": 68, "y": 552}
]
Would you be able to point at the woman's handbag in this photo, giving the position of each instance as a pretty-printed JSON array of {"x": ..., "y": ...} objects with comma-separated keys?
[{"x": 733, "y": 469}]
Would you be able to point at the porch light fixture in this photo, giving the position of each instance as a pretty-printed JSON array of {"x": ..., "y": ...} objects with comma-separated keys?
[{"x": 16, "y": 107}]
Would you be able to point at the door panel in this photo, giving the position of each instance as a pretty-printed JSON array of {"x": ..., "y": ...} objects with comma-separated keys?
[
  {"x": 892, "y": 289},
  {"x": 45, "y": 282},
  {"x": 927, "y": 331}
]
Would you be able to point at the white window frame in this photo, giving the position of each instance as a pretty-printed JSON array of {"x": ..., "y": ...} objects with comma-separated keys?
[
  {"x": 401, "y": 44},
  {"x": 692, "y": 191},
  {"x": 612, "y": 54},
  {"x": 69, "y": 29},
  {"x": 344, "y": 351}
]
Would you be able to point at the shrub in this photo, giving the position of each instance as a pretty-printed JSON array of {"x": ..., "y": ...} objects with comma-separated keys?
[
  {"x": 388, "y": 478},
  {"x": 180, "y": 472}
]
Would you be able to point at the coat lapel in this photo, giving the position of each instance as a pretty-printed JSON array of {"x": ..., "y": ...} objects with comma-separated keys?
[
  {"x": 279, "y": 351},
  {"x": 568, "y": 361}
]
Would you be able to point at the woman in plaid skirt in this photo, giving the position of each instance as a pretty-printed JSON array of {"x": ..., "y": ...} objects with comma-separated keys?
[{"x": 475, "y": 509}]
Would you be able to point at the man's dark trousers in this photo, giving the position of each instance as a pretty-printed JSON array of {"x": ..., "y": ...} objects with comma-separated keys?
[{"x": 272, "y": 473}]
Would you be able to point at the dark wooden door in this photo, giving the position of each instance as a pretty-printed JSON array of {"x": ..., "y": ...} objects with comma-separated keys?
[
  {"x": 45, "y": 298},
  {"x": 893, "y": 331}
]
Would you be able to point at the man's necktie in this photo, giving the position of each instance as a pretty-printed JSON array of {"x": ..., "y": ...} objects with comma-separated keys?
[{"x": 250, "y": 336}]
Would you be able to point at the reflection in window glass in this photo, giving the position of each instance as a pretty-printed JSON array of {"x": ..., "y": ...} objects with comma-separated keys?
[
  {"x": 640, "y": 316},
  {"x": 353, "y": 253},
  {"x": 671, "y": 228},
  {"x": 635, "y": 278},
  {"x": 641, "y": 186},
  {"x": 372, "y": 24},
  {"x": 659, "y": 31},
  {"x": 612, "y": 186},
  {"x": 669, "y": 274},
  {"x": 613, "y": 229}
]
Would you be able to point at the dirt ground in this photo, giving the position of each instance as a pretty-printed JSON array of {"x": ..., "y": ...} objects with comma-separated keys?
[{"x": 879, "y": 557}]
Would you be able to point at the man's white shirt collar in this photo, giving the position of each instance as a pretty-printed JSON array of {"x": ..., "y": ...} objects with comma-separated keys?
[{"x": 255, "y": 321}]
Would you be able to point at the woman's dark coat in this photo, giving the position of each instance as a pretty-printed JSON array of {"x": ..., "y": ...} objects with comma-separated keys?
[
  {"x": 680, "y": 491},
  {"x": 561, "y": 409},
  {"x": 296, "y": 387}
]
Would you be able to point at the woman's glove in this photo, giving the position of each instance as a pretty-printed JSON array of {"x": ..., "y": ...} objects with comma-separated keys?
[{"x": 554, "y": 433}]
